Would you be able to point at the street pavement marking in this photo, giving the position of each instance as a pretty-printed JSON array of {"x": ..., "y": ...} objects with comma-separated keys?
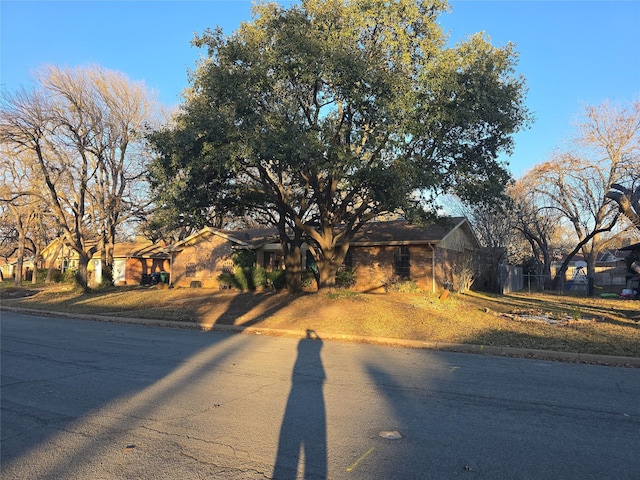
[{"x": 357, "y": 462}]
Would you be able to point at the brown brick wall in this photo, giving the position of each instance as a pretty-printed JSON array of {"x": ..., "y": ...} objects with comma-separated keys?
[
  {"x": 373, "y": 266},
  {"x": 136, "y": 267},
  {"x": 210, "y": 256}
]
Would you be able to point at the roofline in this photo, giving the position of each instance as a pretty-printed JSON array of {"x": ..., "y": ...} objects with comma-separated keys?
[
  {"x": 393, "y": 243},
  {"x": 631, "y": 248},
  {"x": 458, "y": 225},
  {"x": 213, "y": 231}
]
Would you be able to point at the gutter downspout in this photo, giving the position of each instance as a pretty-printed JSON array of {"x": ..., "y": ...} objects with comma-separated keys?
[
  {"x": 433, "y": 268},
  {"x": 170, "y": 268}
]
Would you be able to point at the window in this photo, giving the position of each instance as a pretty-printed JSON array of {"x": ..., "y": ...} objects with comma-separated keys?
[
  {"x": 190, "y": 270},
  {"x": 273, "y": 261},
  {"x": 402, "y": 264},
  {"x": 227, "y": 266}
]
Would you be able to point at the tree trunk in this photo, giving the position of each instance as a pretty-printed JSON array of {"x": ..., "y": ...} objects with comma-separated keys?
[
  {"x": 327, "y": 271},
  {"x": 329, "y": 263},
  {"x": 565, "y": 265},
  {"x": 291, "y": 249},
  {"x": 106, "y": 262},
  {"x": 34, "y": 275},
  {"x": 52, "y": 262},
  {"x": 22, "y": 238},
  {"x": 293, "y": 268},
  {"x": 83, "y": 267},
  {"x": 329, "y": 257}
]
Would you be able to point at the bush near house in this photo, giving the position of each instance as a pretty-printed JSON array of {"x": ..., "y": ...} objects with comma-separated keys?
[{"x": 252, "y": 278}]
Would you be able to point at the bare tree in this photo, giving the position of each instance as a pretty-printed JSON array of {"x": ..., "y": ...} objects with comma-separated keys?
[
  {"x": 82, "y": 126},
  {"x": 575, "y": 183},
  {"x": 118, "y": 111},
  {"x": 538, "y": 224},
  {"x": 492, "y": 225}
]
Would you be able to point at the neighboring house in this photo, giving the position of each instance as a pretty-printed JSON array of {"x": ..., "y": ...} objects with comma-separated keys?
[
  {"x": 379, "y": 254},
  {"x": 58, "y": 254},
  {"x": 576, "y": 269},
  {"x": 133, "y": 260},
  {"x": 611, "y": 257},
  {"x": 130, "y": 261},
  {"x": 8, "y": 268},
  {"x": 611, "y": 268}
]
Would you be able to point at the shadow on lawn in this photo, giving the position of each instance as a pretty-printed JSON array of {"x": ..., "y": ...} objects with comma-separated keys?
[
  {"x": 586, "y": 307},
  {"x": 246, "y": 309}
]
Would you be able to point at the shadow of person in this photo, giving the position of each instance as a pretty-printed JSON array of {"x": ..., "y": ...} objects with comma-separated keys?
[{"x": 303, "y": 433}]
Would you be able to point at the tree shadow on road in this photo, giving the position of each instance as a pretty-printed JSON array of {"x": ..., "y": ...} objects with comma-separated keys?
[{"x": 303, "y": 434}]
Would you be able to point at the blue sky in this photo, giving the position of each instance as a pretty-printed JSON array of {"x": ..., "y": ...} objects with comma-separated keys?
[{"x": 572, "y": 53}]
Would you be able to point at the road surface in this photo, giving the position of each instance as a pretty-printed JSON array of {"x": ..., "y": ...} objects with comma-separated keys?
[{"x": 92, "y": 400}]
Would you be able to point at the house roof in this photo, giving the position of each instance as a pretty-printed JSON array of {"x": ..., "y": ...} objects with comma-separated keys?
[
  {"x": 388, "y": 232},
  {"x": 122, "y": 250},
  {"x": 613, "y": 255},
  {"x": 251, "y": 237},
  {"x": 578, "y": 257},
  {"x": 140, "y": 250},
  {"x": 633, "y": 248},
  {"x": 401, "y": 232}
]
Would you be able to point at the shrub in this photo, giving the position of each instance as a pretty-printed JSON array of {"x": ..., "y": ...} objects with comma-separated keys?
[
  {"x": 227, "y": 278},
  {"x": 259, "y": 277},
  {"x": 345, "y": 278},
  {"x": 402, "y": 287},
  {"x": 56, "y": 275},
  {"x": 244, "y": 278},
  {"x": 68, "y": 276},
  {"x": 244, "y": 258},
  {"x": 278, "y": 279},
  {"x": 243, "y": 282},
  {"x": 308, "y": 277}
]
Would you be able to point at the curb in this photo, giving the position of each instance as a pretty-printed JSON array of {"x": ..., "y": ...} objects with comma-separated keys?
[{"x": 590, "y": 358}]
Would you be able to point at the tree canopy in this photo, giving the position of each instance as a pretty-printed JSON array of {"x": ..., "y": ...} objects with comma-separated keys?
[{"x": 325, "y": 114}]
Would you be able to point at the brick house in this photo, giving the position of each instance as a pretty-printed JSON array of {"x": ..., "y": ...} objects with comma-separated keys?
[
  {"x": 380, "y": 253},
  {"x": 203, "y": 256},
  {"x": 431, "y": 256},
  {"x": 131, "y": 260}
]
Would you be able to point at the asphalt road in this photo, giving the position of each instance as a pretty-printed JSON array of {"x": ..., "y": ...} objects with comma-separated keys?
[{"x": 92, "y": 400}]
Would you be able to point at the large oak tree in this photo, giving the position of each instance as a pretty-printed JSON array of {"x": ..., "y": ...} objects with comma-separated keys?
[{"x": 331, "y": 112}]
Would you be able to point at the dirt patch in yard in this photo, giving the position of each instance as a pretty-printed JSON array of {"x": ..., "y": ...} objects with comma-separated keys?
[{"x": 549, "y": 318}]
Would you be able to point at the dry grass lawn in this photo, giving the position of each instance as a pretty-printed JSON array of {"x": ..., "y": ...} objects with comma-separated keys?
[{"x": 534, "y": 321}]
